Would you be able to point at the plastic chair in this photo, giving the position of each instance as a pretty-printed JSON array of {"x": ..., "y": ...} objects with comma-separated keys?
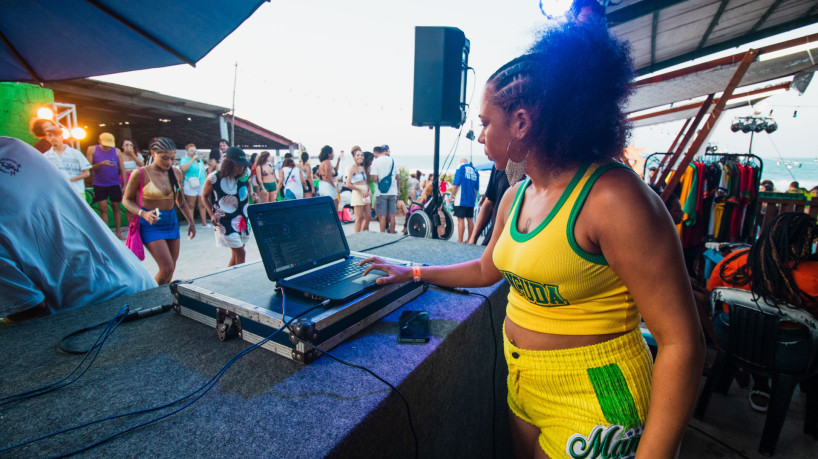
[{"x": 754, "y": 325}]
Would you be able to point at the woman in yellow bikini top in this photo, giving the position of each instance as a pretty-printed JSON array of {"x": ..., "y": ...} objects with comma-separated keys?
[
  {"x": 162, "y": 191},
  {"x": 586, "y": 248}
]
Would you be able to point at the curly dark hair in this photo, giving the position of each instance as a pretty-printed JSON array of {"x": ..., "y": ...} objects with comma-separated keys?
[
  {"x": 230, "y": 169},
  {"x": 574, "y": 82},
  {"x": 262, "y": 158},
  {"x": 326, "y": 150},
  {"x": 781, "y": 247}
]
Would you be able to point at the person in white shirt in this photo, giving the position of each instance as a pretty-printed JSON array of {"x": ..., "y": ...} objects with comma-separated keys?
[
  {"x": 55, "y": 254},
  {"x": 386, "y": 203},
  {"x": 291, "y": 179},
  {"x": 72, "y": 163}
]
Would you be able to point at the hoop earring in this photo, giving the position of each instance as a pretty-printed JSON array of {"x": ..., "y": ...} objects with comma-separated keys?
[{"x": 515, "y": 170}]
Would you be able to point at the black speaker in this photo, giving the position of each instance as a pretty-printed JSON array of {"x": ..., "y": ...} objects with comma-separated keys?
[{"x": 441, "y": 61}]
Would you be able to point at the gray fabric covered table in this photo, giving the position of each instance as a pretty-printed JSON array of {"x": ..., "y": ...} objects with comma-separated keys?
[{"x": 265, "y": 405}]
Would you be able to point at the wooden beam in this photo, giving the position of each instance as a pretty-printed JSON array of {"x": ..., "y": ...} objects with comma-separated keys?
[
  {"x": 669, "y": 150},
  {"x": 749, "y": 57},
  {"x": 691, "y": 106},
  {"x": 727, "y": 60},
  {"x": 653, "y": 38},
  {"x": 765, "y": 16},
  {"x": 805, "y": 20},
  {"x": 637, "y": 10},
  {"x": 712, "y": 25},
  {"x": 98, "y": 94},
  {"x": 698, "y": 119}
]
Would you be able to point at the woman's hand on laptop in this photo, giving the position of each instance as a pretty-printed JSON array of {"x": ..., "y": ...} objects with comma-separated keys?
[{"x": 396, "y": 274}]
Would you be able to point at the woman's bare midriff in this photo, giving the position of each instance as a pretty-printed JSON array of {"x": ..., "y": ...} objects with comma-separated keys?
[{"x": 524, "y": 338}]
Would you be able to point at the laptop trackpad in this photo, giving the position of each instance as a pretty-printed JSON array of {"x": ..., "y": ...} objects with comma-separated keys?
[{"x": 369, "y": 278}]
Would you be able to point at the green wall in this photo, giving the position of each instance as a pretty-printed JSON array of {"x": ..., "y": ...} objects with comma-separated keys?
[{"x": 18, "y": 104}]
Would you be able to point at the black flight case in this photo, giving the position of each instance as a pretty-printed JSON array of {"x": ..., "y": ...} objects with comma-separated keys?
[{"x": 242, "y": 302}]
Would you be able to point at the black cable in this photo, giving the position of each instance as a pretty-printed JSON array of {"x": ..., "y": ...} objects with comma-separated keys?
[
  {"x": 112, "y": 324},
  {"x": 130, "y": 317},
  {"x": 382, "y": 245},
  {"x": 394, "y": 389},
  {"x": 206, "y": 386},
  {"x": 717, "y": 440}
]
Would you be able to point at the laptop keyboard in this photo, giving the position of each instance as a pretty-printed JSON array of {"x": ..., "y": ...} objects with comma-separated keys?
[{"x": 329, "y": 276}]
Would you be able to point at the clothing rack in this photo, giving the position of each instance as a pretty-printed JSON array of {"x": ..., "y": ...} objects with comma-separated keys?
[
  {"x": 656, "y": 158},
  {"x": 725, "y": 205}
]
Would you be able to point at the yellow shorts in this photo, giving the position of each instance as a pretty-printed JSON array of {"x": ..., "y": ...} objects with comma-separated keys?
[{"x": 588, "y": 402}]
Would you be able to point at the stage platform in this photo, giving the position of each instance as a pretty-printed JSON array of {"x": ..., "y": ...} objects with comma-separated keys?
[
  {"x": 265, "y": 405},
  {"x": 268, "y": 406}
]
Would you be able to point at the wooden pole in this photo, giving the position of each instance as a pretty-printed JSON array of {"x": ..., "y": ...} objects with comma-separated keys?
[
  {"x": 702, "y": 111},
  {"x": 670, "y": 150},
  {"x": 748, "y": 59}
]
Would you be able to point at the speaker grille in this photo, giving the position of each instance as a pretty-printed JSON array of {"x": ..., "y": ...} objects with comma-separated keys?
[{"x": 441, "y": 61}]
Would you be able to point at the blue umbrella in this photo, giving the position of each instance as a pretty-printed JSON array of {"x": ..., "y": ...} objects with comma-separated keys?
[{"x": 42, "y": 40}]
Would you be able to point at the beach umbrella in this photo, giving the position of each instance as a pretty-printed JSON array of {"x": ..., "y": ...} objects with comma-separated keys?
[{"x": 43, "y": 40}]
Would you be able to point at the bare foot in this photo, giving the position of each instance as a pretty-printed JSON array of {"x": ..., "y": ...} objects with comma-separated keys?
[{"x": 119, "y": 236}]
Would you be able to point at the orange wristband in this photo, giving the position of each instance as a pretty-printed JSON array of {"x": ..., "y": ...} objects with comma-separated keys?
[{"x": 416, "y": 273}]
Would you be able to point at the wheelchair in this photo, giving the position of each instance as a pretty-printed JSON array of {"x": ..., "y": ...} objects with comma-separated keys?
[{"x": 430, "y": 220}]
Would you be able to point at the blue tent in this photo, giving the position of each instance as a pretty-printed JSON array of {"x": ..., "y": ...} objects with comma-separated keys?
[
  {"x": 485, "y": 166},
  {"x": 42, "y": 40}
]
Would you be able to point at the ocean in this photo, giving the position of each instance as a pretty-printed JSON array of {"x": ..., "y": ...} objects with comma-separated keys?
[{"x": 780, "y": 171}]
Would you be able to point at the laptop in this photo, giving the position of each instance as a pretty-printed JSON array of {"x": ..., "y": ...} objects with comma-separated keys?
[{"x": 304, "y": 249}]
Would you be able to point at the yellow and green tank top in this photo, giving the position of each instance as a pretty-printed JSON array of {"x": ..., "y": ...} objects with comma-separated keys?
[{"x": 556, "y": 287}]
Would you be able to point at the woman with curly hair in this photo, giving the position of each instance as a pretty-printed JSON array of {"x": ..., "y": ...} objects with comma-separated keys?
[
  {"x": 327, "y": 174},
  {"x": 781, "y": 268},
  {"x": 266, "y": 177},
  {"x": 227, "y": 192},
  {"x": 580, "y": 373},
  {"x": 161, "y": 187}
]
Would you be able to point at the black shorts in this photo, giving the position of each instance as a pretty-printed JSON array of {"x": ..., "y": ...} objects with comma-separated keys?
[
  {"x": 102, "y": 193},
  {"x": 463, "y": 212}
]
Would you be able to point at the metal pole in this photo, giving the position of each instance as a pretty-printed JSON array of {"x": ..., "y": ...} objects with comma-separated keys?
[
  {"x": 435, "y": 187},
  {"x": 471, "y": 143},
  {"x": 752, "y": 133},
  {"x": 233, "y": 109}
]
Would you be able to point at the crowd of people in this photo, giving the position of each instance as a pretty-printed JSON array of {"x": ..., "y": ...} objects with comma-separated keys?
[
  {"x": 218, "y": 187},
  {"x": 560, "y": 213}
]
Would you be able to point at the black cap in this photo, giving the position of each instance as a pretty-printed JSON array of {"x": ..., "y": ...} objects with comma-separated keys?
[{"x": 237, "y": 155}]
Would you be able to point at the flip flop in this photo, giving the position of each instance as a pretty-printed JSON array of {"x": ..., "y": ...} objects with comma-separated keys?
[{"x": 762, "y": 400}]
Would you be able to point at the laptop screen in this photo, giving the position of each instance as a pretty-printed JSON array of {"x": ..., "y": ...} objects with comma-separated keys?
[{"x": 294, "y": 236}]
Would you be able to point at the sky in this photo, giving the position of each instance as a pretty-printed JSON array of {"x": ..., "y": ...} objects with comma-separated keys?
[{"x": 341, "y": 73}]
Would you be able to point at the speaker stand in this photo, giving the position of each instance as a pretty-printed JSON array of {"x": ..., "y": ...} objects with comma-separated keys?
[{"x": 437, "y": 200}]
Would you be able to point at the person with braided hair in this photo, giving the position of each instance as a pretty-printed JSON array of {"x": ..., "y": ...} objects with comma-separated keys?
[
  {"x": 227, "y": 193},
  {"x": 581, "y": 379},
  {"x": 161, "y": 188},
  {"x": 782, "y": 268}
]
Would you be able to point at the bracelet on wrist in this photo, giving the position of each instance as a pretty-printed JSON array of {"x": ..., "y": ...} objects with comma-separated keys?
[
  {"x": 140, "y": 212},
  {"x": 416, "y": 273}
]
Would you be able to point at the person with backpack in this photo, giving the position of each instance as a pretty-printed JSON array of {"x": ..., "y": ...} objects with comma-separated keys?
[{"x": 385, "y": 175}]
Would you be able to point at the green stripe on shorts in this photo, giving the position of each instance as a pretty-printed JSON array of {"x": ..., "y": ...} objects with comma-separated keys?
[{"x": 614, "y": 396}]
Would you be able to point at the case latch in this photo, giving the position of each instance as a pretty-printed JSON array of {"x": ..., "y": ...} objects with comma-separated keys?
[{"x": 228, "y": 324}]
